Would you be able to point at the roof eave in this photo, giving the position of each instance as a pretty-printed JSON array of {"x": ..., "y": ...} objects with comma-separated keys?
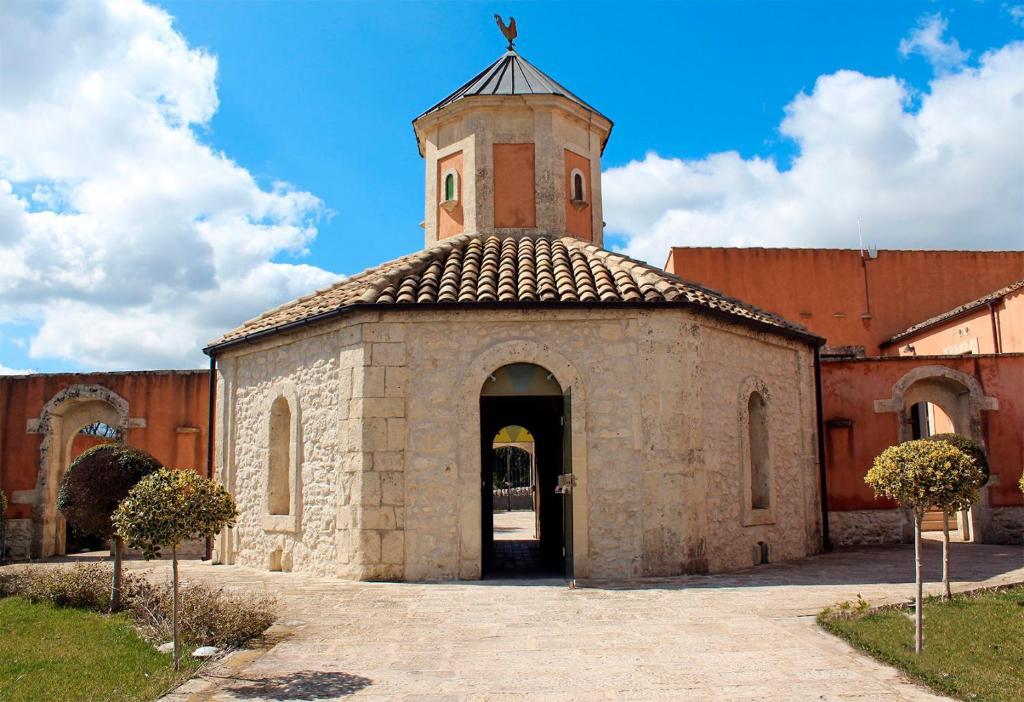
[{"x": 756, "y": 324}]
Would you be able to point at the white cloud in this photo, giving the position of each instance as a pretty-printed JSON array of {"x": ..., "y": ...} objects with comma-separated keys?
[
  {"x": 4, "y": 370},
  {"x": 129, "y": 241},
  {"x": 927, "y": 39},
  {"x": 947, "y": 174}
]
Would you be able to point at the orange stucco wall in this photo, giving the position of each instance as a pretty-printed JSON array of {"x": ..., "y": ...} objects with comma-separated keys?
[
  {"x": 449, "y": 221},
  {"x": 855, "y": 433},
  {"x": 579, "y": 221},
  {"x": 174, "y": 405},
  {"x": 515, "y": 198},
  {"x": 832, "y": 290},
  {"x": 976, "y": 331}
]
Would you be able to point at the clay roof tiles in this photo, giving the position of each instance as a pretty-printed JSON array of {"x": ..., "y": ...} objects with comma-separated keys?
[
  {"x": 954, "y": 313},
  {"x": 473, "y": 270}
]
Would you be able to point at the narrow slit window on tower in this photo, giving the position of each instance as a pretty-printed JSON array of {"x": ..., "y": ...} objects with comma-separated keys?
[
  {"x": 579, "y": 192},
  {"x": 279, "y": 478},
  {"x": 757, "y": 423},
  {"x": 450, "y": 187}
]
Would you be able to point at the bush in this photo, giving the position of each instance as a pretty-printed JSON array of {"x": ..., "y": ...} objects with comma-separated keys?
[
  {"x": 85, "y": 586},
  {"x": 969, "y": 446},
  {"x": 209, "y": 616},
  {"x": 97, "y": 481}
]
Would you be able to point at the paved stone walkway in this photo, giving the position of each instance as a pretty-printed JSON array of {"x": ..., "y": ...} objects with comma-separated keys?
[
  {"x": 515, "y": 526},
  {"x": 745, "y": 636}
]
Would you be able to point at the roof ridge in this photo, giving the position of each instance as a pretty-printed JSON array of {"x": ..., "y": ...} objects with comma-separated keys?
[{"x": 956, "y": 311}]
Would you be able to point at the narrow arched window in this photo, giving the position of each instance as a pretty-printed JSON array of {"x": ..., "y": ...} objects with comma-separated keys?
[
  {"x": 279, "y": 499},
  {"x": 757, "y": 423},
  {"x": 449, "y": 187},
  {"x": 578, "y": 193}
]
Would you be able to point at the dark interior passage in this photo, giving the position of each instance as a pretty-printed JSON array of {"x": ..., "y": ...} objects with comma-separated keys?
[{"x": 542, "y": 416}]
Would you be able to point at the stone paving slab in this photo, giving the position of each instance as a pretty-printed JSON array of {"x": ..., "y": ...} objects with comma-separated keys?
[{"x": 742, "y": 636}]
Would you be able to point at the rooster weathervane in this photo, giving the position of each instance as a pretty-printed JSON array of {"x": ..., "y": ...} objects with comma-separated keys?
[{"x": 508, "y": 30}]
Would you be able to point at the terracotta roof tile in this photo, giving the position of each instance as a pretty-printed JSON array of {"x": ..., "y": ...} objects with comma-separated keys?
[
  {"x": 498, "y": 270},
  {"x": 955, "y": 312}
]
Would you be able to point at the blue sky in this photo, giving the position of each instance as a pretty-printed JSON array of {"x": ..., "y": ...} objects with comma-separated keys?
[
  {"x": 169, "y": 170},
  {"x": 298, "y": 81}
]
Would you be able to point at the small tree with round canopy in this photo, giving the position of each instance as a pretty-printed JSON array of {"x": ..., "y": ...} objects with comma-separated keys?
[
  {"x": 959, "y": 492},
  {"x": 93, "y": 485},
  {"x": 917, "y": 475},
  {"x": 168, "y": 507}
]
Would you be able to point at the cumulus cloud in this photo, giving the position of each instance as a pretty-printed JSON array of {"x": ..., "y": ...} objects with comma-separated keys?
[
  {"x": 4, "y": 370},
  {"x": 125, "y": 239},
  {"x": 927, "y": 39},
  {"x": 940, "y": 169}
]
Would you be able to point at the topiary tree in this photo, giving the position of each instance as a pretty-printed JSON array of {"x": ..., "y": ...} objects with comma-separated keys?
[
  {"x": 93, "y": 485},
  {"x": 168, "y": 507},
  {"x": 958, "y": 491},
  {"x": 914, "y": 474}
]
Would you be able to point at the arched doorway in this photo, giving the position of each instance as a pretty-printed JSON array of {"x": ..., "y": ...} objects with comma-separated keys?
[
  {"x": 517, "y": 401},
  {"x": 934, "y": 400},
  {"x": 73, "y": 420}
]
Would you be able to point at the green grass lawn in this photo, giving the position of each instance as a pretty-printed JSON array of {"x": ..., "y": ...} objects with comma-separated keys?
[
  {"x": 51, "y": 653},
  {"x": 973, "y": 645}
]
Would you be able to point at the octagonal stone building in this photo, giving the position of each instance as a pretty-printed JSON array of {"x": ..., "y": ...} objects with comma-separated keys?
[{"x": 673, "y": 429}]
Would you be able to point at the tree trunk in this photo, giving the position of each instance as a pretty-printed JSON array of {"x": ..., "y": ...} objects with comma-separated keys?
[
  {"x": 174, "y": 602},
  {"x": 918, "y": 633},
  {"x": 946, "y": 594},
  {"x": 115, "y": 585}
]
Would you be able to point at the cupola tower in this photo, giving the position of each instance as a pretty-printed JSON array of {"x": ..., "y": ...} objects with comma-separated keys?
[{"x": 513, "y": 151}]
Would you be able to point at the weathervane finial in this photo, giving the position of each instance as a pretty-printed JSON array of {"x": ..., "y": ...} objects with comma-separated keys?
[{"x": 508, "y": 30}]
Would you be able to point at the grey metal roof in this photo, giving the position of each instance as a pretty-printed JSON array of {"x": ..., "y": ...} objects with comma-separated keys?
[{"x": 511, "y": 74}]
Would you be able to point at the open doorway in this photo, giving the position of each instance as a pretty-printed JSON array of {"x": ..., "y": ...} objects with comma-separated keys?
[{"x": 525, "y": 514}]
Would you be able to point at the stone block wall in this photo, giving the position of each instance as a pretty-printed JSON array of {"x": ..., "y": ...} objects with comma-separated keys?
[
  {"x": 734, "y": 364},
  {"x": 390, "y": 440}
]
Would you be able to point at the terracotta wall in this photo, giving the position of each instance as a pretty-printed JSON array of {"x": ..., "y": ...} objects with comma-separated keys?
[
  {"x": 855, "y": 433},
  {"x": 578, "y": 219},
  {"x": 843, "y": 297},
  {"x": 449, "y": 220},
  {"x": 173, "y": 404},
  {"x": 515, "y": 198}
]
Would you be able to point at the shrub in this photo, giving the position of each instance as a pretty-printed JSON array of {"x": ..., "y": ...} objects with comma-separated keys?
[
  {"x": 168, "y": 507},
  {"x": 969, "y": 446},
  {"x": 921, "y": 475},
  {"x": 93, "y": 486},
  {"x": 86, "y": 586},
  {"x": 208, "y": 616},
  {"x": 97, "y": 481}
]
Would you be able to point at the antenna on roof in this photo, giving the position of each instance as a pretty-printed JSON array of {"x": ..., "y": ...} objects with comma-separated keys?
[{"x": 860, "y": 238}]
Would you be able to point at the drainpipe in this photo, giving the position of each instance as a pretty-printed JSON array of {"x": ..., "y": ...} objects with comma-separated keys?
[
  {"x": 997, "y": 342},
  {"x": 826, "y": 541},
  {"x": 209, "y": 437}
]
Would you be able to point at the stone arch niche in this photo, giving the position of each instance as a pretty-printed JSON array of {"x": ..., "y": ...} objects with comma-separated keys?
[
  {"x": 59, "y": 422},
  {"x": 963, "y": 400},
  {"x": 470, "y": 509}
]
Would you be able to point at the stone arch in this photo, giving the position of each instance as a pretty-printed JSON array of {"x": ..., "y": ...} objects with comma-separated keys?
[
  {"x": 963, "y": 399},
  {"x": 59, "y": 421},
  {"x": 960, "y": 395},
  {"x": 483, "y": 365},
  {"x": 284, "y": 393},
  {"x": 754, "y": 387}
]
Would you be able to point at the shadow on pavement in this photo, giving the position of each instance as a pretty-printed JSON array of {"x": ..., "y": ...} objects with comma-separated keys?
[{"x": 301, "y": 685}]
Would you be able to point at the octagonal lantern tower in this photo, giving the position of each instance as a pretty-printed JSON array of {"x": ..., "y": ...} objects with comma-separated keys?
[{"x": 512, "y": 151}]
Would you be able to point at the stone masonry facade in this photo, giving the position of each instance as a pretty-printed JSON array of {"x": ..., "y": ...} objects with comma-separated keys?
[{"x": 387, "y": 448}]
